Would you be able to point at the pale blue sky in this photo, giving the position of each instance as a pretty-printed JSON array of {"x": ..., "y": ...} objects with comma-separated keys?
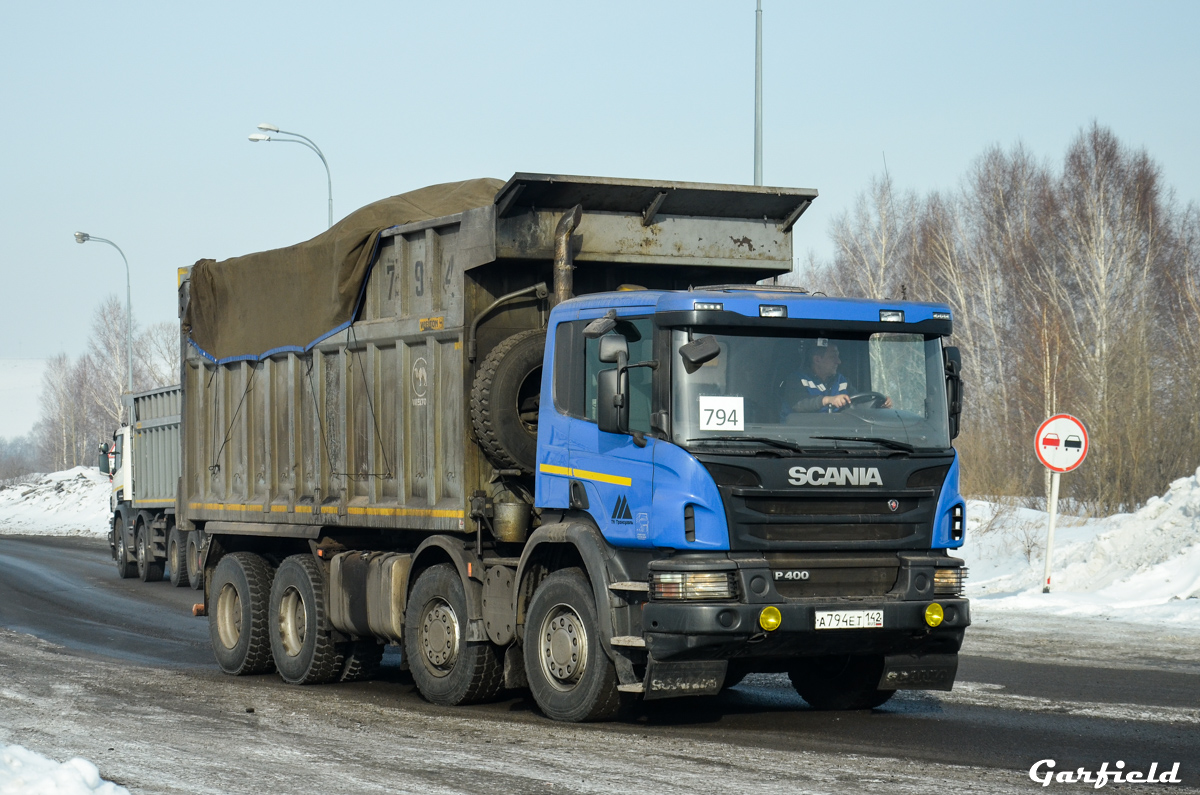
[{"x": 129, "y": 121}]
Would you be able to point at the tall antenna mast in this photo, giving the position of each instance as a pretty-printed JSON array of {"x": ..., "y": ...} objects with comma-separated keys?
[{"x": 758, "y": 147}]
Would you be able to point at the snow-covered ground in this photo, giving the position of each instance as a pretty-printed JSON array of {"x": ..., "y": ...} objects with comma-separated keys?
[
  {"x": 70, "y": 503},
  {"x": 24, "y": 772},
  {"x": 1142, "y": 567}
]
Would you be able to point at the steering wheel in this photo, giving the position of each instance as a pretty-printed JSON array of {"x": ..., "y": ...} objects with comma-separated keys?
[{"x": 861, "y": 399}]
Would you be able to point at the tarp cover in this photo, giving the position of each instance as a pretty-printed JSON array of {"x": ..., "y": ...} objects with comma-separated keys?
[{"x": 289, "y": 299}]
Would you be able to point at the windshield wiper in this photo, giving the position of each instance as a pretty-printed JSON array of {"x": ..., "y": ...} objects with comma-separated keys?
[
  {"x": 781, "y": 444},
  {"x": 892, "y": 443}
]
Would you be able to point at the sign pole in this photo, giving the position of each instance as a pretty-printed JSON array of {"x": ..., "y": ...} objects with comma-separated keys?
[{"x": 1053, "y": 506}]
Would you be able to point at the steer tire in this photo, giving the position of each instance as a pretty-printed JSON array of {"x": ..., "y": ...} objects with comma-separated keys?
[
  {"x": 126, "y": 568},
  {"x": 505, "y": 399},
  {"x": 363, "y": 658},
  {"x": 841, "y": 682},
  {"x": 149, "y": 569},
  {"x": 301, "y": 635},
  {"x": 447, "y": 668},
  {"x": 237, "y": 614},
  {"x": 570, "y": 675},
  {"x": 177, "y": 557},
  {"x": 195, "y": 566}
]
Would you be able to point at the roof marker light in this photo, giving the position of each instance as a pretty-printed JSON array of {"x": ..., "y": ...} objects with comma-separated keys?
[
  {"x": 891, "y": 315},
  {"x": 772, "y": 311},
  {"x": 709, "y": 306},
  {"x": 941, "y": 315}
]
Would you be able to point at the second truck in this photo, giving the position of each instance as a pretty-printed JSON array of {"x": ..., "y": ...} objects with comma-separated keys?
[{"x": 507, "y": 427}]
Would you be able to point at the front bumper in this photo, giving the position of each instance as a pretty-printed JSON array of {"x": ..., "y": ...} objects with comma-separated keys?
[{"x": 681, "y": 631}]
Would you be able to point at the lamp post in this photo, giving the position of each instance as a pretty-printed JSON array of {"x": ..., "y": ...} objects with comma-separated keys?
[
  {"x": 256, "y": 137},
  {"x": 83, "y": 237},
  {"x": 758, "y": 147}
]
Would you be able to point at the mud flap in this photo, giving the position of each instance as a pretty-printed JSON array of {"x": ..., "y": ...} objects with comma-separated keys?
[
  {"x": 919, "y": 672},
  {"x": 674, "y": 679}
]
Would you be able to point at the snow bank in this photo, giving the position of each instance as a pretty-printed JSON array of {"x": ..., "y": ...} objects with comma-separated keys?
[
  {"x": 22, "y": 772},
  {"x": 70, "y": 503},
  {"x": 1142, "y": 567}
]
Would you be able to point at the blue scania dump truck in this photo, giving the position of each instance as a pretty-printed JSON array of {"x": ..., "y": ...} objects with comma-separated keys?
[{"x": 508, "y": 427}]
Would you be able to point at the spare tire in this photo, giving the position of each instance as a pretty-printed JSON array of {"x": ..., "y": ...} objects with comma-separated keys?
[{"x": 505, "y": 399}]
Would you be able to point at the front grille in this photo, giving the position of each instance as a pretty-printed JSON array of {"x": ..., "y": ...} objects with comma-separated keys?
[
  {"x": 799, "y": 576},
  {"x": 832, "y": 532},
  {"x": 806, "y": 506}
]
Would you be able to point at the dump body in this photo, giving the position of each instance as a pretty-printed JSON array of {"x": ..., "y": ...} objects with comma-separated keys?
[
  {"x": 154, "y": 433},
  {"x": 144, "y": 460},
  {"x": 371, "y": 427}
]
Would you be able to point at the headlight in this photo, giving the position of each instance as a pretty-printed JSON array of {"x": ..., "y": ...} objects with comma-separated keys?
[
  {"x": 948, "y": 582},
  {"x": 682, "y": 585}
]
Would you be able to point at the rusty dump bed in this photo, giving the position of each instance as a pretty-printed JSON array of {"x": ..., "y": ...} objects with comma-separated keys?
[{"x": 370, "y": 427}]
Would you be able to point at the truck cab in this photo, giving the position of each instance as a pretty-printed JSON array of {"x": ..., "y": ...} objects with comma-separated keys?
[{"x": 770, "y": 537}]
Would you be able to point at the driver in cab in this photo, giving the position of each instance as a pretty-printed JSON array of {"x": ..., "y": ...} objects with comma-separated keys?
[{"x": 820, "y": 385}]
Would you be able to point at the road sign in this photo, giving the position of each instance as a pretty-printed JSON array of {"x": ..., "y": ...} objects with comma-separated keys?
[{"x": 1061, "y": 443}]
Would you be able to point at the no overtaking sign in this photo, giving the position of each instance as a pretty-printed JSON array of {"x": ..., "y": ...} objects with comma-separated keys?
[{"x": 1061, "y": 443}]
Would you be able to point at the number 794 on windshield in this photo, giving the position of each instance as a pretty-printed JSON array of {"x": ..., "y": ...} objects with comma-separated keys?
[{"x": 721, "y": 413}]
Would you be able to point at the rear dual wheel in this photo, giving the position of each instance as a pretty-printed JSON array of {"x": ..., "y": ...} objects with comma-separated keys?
[
  {"x": 237, "y": 614},
  {"x": 446, "y": 667},
  {"x": 177, "y": 556},
  {"x": 195, "y": 564},
  {"x": 301, "y": 635},
  {"x": 149, "y": 569}
]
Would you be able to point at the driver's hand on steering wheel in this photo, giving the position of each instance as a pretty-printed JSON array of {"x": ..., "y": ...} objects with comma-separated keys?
[
  {"x": 837, "y": 401},
  {"x": 887, "y": 404}
]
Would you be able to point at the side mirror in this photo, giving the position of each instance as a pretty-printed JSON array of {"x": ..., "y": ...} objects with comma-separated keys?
[
  {"x": 612, "y": 348},
  {"x": 697, "y": 352},
  {"x": 954, "y": 387},
  {"x": 103, "y": 464},
  {"x": 612, "y": 407},
  {"x": 601, "y": 325}
]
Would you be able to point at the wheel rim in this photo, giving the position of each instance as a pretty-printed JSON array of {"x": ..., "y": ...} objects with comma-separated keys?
[
  {"x": 173, "y": 556},
  {"x": 122, "y": 553},
  {"x": 229, "y": 616},
  {"x": 293, "y": 621},
  {"x": 563, "y": 647},
  {"x": 439, "y": 637},
  {"x": 141, "y": 550}
]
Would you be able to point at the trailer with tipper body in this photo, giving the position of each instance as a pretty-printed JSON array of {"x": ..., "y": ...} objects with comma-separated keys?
[{"x": 504, "y": 426}]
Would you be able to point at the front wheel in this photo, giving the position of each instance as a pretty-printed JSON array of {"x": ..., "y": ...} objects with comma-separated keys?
[
  {"x": 447, "y": 668},
  {"x": 841, "y": 682},
  {"x": 126, "y": 566},
  {"x": 570, "y": 675}
]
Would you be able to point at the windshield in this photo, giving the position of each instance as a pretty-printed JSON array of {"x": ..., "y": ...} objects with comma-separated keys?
[{"x": 854, "y": 391}]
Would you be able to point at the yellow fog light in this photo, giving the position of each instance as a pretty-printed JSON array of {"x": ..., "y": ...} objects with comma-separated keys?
[
  {"x": 770, "y": 618},
  {"x": 934, "y": 614}
]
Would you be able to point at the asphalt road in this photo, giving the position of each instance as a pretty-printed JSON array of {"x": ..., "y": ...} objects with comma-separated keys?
[{"x": 119, "y": 671}]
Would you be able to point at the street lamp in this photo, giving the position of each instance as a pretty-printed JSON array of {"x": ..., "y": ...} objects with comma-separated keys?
[
  {"x": 83, "y": 237},
  {"x": 256, "y": 137}
]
